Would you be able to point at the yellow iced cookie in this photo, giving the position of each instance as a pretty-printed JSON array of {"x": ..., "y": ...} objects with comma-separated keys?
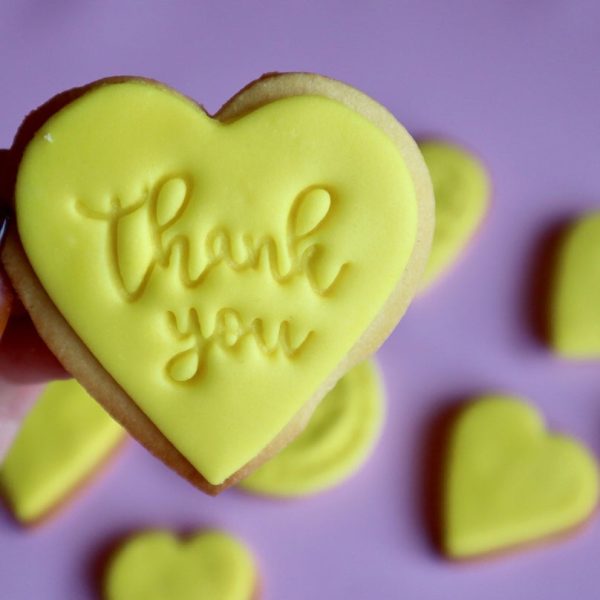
[
  {"x": 158, "y": 566},
  {"x": 62, "y": 440},
  {"x": 509, "y": 482},
  {"x": 224, "y": 272},
  {"x": 462, "y": 190},
  {"x": 336, "y": 441},
  {"x": 575, "y": 305}
]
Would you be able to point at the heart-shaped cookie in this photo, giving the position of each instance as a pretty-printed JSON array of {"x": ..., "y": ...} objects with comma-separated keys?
[
  {"x": 210, "y": 279},
  {"x": 575, "y": 302},
  {"x": 334, "y": 444},
  {"x": 63, "y": 439},
  {"x": 509, "y": 482},
  {"x": 462, "y": 190},
  {"x": 158, "y": 566}
]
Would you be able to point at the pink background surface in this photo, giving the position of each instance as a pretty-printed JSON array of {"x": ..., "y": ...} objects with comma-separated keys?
[{"x": 519, "y": 82}]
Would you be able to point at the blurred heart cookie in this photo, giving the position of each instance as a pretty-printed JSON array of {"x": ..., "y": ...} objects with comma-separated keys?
[
  {"x": 509, "y": 482},
  {"x": 575, "y": 302},
  {"x": 63, "y": 440},
  {"x": 158, "y": 566},
  {"x": 462, "y": 193}
]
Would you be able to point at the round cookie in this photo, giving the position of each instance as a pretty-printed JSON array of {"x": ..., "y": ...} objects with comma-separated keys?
[
  {"x": 334, "y": 444},
  {"x": 221, "y": 291},
  {"x": 157, "y": 566},
  {"x": 462, "y": 189},
  {"x": 509, "y": 482},
  {"x": 63, "y": 440}
]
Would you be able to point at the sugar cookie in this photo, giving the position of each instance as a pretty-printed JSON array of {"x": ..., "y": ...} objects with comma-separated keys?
[
  {"x": 158, "y": 566},
  {"x": 574, "y": 311},
  {"x": 63, "y": 439},
  {"x": 334, "y": 444},
  {"x": 211, "y": 278},
  {"x": 462, "y": 189},
  {"x": 509, "y": 482}
]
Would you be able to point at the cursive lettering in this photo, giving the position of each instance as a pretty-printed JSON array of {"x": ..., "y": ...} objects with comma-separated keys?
[
  {"x": 285, "y": 260},
  {"x": 227, "y": 333}
]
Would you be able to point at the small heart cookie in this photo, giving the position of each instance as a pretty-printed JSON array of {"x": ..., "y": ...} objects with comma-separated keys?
[
  {"x": 334, "y": 444},
  {"x": 209, "y": 279},
  {"x": 462, "y": 191},
  {"x": 575, "y": 302},
  {"x": 62, "y": 441},
  {"x": 158, "y": 566},
  {"x": 510, "y": 483}
]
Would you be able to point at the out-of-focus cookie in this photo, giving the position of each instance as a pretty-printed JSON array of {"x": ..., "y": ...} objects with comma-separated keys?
[
  {"x": 462, "y": 191},
  {"x": 209, "y": 279},
  {"x": 158, "y": 566},
  {"x": 575, "y": 302},
  {"x": 63, "y": 440},
  {"x": 334, "y": 444},
  {"x": 510, "y": 483}
]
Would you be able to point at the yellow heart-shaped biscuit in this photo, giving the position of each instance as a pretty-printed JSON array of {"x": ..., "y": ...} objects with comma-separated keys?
[
  {"x": 575, "y": 302},
  {"x": 334, "y": 444},
  {"x": 509, "y": 482},
  {"x": 157, "y": 566},
  {"x": 462, "y": 190},
  {"x": 211, "y": 278},
  {"x": 63, "y": 439}
]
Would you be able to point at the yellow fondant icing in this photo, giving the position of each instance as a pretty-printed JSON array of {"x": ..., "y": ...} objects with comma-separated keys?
[
  {"x": 157, "y": 566},
  {"x": 461, "y": 187},
  {"x": 336, "y": 441},
  {"x": 218, "y": 272},
  {"x": 509, "y": 482},
  {"x": 63, "y": 438},
  {"x": 575, "y": 305}
]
